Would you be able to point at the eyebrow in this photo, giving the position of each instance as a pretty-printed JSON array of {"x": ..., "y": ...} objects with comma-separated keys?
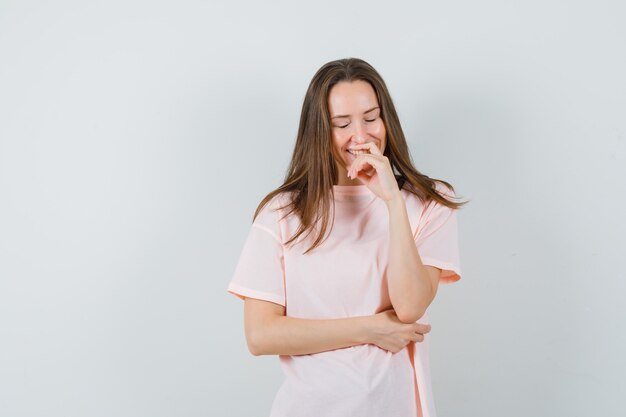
[{"x": 347, "y": 115}]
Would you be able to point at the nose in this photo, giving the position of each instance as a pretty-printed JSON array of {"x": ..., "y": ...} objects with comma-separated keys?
[{"x": 360, "y": 135}]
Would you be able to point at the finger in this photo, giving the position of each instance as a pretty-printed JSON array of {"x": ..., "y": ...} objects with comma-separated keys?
[
  {"x": 370, "y": 146},
  {"x": 361, "y": 160},
  {"x": 418, "y": 337},
  {"x": 365, "y": 176},
  {"x": 365, "y": 169},
  {"x": 359, "y": 172},
  {"x": 422, "y": 328}
]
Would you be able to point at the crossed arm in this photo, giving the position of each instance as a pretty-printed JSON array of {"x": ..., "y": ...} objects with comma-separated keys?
[
  {"x": 270, "y": 332},
  {"x": 412, "y": 287}
]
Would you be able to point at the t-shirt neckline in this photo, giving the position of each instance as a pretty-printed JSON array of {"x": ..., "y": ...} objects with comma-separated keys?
[{"x": 360, "y": 189}]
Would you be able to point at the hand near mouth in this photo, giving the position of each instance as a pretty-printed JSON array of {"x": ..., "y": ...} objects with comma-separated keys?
[{"x": 374, "y": 170}]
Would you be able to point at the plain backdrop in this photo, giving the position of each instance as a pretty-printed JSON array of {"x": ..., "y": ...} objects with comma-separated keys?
[{"x": 137, "y": 138}]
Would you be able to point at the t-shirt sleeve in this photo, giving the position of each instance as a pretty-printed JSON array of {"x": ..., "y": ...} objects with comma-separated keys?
[
  {"x": 437, "y": 239},
  {"x": 260, "y": 272}
]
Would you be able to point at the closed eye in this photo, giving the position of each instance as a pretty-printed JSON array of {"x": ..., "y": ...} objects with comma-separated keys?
[{"x": 344, "y": 126}]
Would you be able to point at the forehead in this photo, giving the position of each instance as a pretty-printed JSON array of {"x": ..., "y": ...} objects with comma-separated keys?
[{"x": 353, "y": 97}]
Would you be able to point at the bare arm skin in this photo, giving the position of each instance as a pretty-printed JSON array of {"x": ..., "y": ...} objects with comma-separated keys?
[
  {"x": 269, "y": 332},
  {"x": 412, "y": 285}
]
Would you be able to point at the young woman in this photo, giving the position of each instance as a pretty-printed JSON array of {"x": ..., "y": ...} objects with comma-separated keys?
[{"x": 343, "y": 259}]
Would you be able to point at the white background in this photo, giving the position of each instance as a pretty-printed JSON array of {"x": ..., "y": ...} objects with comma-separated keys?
[{"x": 138, "y": 137}]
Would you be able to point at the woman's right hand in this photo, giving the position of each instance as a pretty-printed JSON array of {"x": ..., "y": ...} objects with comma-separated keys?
[{"x": 389, "y": 333}]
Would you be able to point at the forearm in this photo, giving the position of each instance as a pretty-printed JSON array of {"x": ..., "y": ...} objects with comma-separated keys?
[
  {"x": 284, "y": 335},
  {"x": 410, "y": 289}
]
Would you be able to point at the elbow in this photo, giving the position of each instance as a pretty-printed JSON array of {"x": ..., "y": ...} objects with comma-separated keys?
[
  {"x": 260, "y": 338},
  {"x": 413, "y": 311},
  {"x": 409, "y": 317},
  {"x": 410, "y": 314},
  {"x": 260, "y": 342},
  {"x": 254, "y": 346},
  {"x": 260, "y": 317},
  {"x": 254, "y": 349}
]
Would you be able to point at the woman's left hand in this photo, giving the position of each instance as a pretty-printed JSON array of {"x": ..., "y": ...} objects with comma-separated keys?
[{"x": 375, "y": 171}]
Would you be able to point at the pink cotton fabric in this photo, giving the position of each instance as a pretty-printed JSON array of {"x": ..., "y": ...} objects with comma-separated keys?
[{"x": 346, "y": 277}]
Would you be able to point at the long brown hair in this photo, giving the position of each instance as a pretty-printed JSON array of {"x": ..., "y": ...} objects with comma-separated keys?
[{"x": 312, "y": 171}]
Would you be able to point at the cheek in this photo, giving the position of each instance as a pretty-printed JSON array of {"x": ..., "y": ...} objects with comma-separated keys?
[
  {"x": 378, "y": 128},
  {"x": 339, "y": 140},
  {"x": 338, "y": 143},
  {"x": 381, "y": 134}
]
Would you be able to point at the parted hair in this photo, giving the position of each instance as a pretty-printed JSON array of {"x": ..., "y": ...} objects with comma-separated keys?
[{"x": 312, "y": 171}]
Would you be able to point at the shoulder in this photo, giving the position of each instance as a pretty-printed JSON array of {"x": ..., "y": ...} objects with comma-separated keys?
[
  {"x": 444, "y": 190},
  {"x": 440, "y": 187},
  {"x": 279, "y": 204},
  {"x": 412, "y": 200},
  {"x": 270, "y": 216},
  {"x": 436, "y": 213},
  {"x": 426, "y": 209}
]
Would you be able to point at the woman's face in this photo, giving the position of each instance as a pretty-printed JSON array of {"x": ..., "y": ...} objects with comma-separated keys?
[{"x": 354, "y": 119}]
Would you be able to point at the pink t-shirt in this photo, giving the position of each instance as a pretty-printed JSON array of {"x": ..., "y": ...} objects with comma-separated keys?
[{"x": 346, "y": 277}]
